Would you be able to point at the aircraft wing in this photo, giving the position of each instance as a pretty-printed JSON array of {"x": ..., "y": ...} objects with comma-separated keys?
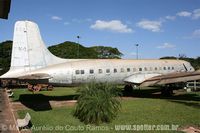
[{"x": 158, "y": 79}]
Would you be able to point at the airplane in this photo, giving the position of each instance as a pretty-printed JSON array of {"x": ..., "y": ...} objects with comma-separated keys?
[{"x": 32, "y": 62}]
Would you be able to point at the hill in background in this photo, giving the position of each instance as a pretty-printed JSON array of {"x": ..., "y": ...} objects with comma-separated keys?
[{"x": 73, "y": 50}]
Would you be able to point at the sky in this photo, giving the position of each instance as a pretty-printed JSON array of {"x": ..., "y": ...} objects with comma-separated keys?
[{"x": 160, "y": 27}]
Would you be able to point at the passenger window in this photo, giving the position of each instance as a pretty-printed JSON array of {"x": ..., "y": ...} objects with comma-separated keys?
[
  {"x": 168, "y": 68},
  {"x": 156, "y": 68},
  {"x": 145, "y": 69},
  {"x": 128, "y": 69},
  {"x": 82, "y": 71},
  {"x": 122, "y": 69},
  {"x": 100, "y": 71},
  {"x": 115, "y": 70},
  {"x": 172, "y": 68},
  {"x": 164, "y": 68},
  {"x": 91, "y": 71},
  {"x": 140, "y": 69},
  {"x": 107, "y": 70},
  {"x": 77, "y": 72}
]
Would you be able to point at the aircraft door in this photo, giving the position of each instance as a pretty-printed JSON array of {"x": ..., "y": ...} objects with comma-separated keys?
[{"x": 69, "y": 77}]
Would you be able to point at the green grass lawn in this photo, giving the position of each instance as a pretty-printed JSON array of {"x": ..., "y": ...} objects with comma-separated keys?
[
  {"x": 141, "y": 108},
  {"x": 57, "y": 91}
]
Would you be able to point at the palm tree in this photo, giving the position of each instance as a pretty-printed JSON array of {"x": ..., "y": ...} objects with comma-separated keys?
[{"x": 97, "y": 103}]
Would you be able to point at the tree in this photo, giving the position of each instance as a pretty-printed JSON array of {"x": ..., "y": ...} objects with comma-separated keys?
[
  {"x": 107, "y": 52},
  {"x": 5, "y": 56},
  {"x": 168, "y": 57},
  {"x": 68, "y": 50},
  {"x": 97, "y": 103}
]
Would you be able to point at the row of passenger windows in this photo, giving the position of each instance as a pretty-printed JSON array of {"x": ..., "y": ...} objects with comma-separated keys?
[{"x": 91, "y": 71}]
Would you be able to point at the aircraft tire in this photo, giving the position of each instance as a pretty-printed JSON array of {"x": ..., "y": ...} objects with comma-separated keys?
[
  {"x": 128, "y": 88},
  {"x": 167, "y": 91}
]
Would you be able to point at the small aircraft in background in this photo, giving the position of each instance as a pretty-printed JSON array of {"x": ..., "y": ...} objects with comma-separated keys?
[{"x": 32, "y": 62}]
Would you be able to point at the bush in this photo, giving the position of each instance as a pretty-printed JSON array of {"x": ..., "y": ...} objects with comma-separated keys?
[{"x": 97, "y": 103}]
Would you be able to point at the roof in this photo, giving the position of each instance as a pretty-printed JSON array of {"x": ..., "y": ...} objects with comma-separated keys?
[{"x": 4, "y": 8}]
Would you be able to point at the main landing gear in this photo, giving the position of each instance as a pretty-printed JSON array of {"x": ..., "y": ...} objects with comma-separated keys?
[
  {"x": 167, "y": 90},
  {"x": 128, "y": 88}
]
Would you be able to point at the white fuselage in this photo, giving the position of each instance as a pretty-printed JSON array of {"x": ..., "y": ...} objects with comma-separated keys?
[{"x": 109, "y": 70}]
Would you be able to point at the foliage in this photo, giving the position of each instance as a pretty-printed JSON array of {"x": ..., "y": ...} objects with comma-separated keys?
[
  {"x": 168, "y": 57},
  {"x": 5, "y": 56},
  {"x": 74, "y": 50},
  {"x": 107, "y": 52},
  {"x": 97, "y": 103},
  {"x": 70, "y": 50}
]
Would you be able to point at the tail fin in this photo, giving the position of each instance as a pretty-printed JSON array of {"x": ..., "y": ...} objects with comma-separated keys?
[{"x": 29, "y": 51}]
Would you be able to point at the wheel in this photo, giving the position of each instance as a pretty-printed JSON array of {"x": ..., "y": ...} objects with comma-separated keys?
[
  {"x": 167, "y": 91},
  {"x": 128, "y": 88},
  {"x": 49, "y": 87}
]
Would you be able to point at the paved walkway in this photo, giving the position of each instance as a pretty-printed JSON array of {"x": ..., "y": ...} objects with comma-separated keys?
[{"x": 7, "y": 120}]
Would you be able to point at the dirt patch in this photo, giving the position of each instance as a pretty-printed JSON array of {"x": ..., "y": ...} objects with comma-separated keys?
[
  {"x": 7, "y": 120},
  {"x": 63, "y": 103}
]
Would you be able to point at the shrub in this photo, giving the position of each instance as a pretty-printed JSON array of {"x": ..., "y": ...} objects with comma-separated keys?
[{"x": 97, "y": 103}]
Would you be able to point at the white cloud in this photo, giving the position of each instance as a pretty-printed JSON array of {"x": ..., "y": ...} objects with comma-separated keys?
[
  {"x": 113, "y": 25},
  {"x": 154, "y": 26},
  {"x": 166, "y": 45},
  {"x": 170, "y": 17},
  {"x": 56, "y": 18},
  {"x": 196, "y": 33},
  {"x": 196, "y": 14},
  {"x": 184, "y": 14}
]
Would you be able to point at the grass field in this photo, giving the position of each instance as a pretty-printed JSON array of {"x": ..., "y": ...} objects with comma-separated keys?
[{"x": 143, "y": 107}]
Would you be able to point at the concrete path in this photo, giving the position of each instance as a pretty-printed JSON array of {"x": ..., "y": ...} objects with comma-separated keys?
[{"x": 7, "y": 120}]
